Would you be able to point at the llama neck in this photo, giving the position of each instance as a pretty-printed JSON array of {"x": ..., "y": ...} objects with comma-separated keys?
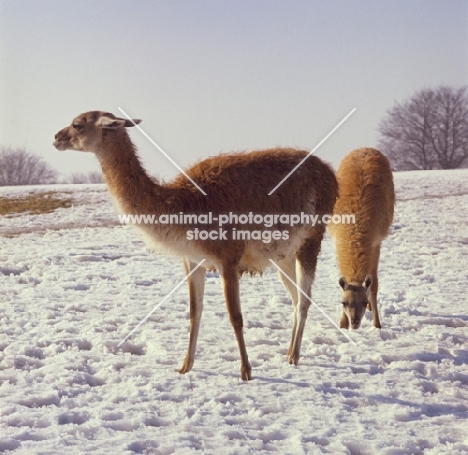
[
  {"x": 134, "y": 191},
  {"x": 354, "y": 261}
]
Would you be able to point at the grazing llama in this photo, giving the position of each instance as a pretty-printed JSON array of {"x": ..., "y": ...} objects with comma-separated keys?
[
  {"x": 365, "y": 185},
  {"x": 236, "y": 183}
]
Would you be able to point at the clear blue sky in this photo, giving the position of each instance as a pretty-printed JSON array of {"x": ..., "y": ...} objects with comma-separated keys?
[{"x": 212, "y": 76}]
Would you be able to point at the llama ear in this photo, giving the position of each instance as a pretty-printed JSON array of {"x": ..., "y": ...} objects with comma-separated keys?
[
  {"x": 133, "y": 122},
  {"x": 343, "y": 283},
  {"x": 111, "y": 122},
  {"x": 107, "y": 122},
  {"x": 367, "y": 282}
]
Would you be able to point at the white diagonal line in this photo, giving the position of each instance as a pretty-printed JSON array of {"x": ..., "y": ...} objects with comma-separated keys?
[
  {"x": 305, "y": 295},
  {"x": 162, "y": 151},
  {"x": 311, "y": 152},
  {"x": 162, "y": 301}
]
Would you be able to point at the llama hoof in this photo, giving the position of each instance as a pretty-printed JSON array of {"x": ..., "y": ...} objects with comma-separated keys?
[
  {"x": 246, "y": 373},
  {"x": 293, "y": 360},
  {"x": 377, "y": 325},
  {"x": 186, "y": 367}
]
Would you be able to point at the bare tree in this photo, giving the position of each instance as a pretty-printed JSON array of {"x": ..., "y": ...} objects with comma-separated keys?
[
  {"x": 18, "y": 167},
  {"x": 428, "y": 131},
  {"x": 90, "y": 177},
  {"x": 449, "y": 136}
]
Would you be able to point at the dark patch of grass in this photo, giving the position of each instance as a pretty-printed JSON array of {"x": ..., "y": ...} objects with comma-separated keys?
[{"x": 34, "y": 203}]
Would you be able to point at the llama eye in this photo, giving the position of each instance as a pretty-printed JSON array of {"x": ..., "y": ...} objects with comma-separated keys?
[
  {"x": 344, "y": 303},
  {"x": 77, "y": 127}
]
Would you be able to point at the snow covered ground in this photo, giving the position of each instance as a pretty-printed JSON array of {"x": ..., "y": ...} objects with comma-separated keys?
[{"x": 74, "y": 282}]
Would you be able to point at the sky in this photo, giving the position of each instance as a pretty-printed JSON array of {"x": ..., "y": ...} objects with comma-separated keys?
[{"x": 208, "y": 76}]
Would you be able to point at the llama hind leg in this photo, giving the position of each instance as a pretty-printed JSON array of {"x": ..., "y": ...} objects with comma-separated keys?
[
  {"x": 304, "y": 281},
  {"x": 288, "y": 267},
  {"x": 306, "y": 263},
  {"x": 196, "y": 283}
]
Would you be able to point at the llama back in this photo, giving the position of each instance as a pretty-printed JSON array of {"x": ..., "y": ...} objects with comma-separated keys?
[
  {"x": 241, "y": 182},
  {"x": 366, "y": 190}
]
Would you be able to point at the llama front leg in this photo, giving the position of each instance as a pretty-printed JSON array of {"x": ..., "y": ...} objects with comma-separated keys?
[
  {"x": 374, "y": 288},
  {"x": 196, "y": 284},
  {"x": 230, "y": 280},
  {"x": 373, "y": 302},
  {"x": 344, "y": 321}
]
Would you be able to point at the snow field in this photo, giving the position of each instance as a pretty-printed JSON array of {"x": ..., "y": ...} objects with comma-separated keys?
[{"x": 71, "y": 291}]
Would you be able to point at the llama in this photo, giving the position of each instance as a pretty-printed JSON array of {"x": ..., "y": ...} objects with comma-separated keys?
[
  {"x": 236, "y": 183},
  {"x": 365, "y": 186}
]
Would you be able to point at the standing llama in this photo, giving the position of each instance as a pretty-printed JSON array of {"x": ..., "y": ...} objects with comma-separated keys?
[
  {"x": 365, "y": 185},
  {"x": 234, "y": 183}
]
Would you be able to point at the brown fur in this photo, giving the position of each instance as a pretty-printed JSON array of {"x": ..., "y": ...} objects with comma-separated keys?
[
  {"x": 366, "y": 190},
  {"x": 237, "y": 183}
]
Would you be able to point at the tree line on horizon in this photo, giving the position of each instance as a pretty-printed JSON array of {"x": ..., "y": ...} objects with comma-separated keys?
[
  {"x": 19, "y": 167},
  {"x": 427, "y": 131}
]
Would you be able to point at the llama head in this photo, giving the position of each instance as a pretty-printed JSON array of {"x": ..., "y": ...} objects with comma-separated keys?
[
  {"x": 355, "y": 297},
  {"x": 86, "y": 131}
]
